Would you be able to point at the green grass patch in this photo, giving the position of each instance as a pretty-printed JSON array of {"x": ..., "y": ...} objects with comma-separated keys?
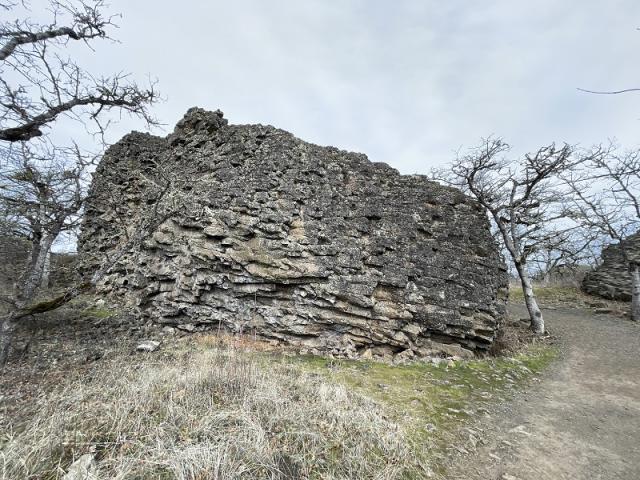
[
  {"x": 433, "y": 400},
  {"x": 550, "y": 293}
]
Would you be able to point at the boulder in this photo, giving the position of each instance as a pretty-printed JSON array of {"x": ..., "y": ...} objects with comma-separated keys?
[
  {"x": 316, "y": 247},
  {"x": 611, "y": 279}
]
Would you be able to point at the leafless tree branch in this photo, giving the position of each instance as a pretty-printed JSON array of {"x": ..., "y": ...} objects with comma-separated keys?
[
  {"x": 43, "y": 187},
  {"x": 38, "y": 82},
  {"x": 605, "y": 192},
  {"x": 613, "y": 92},
  {"x": 524, "y": 199}
]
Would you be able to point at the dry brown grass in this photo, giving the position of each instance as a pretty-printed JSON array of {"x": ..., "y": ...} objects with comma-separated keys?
[{"x": 216, "y": 413}]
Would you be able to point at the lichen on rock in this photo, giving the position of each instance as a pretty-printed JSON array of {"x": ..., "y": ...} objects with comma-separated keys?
[{"x": 308, "y": 245}]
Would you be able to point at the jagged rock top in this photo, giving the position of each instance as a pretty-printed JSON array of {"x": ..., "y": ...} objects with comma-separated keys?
[
  {"x": 309, "y": 245},
  {"x": 612, "y": 278},
  {"x": 198, "y": 120}
]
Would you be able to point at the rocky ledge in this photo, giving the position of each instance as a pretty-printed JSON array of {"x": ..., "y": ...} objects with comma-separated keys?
[{"x": 262, "y": 233}]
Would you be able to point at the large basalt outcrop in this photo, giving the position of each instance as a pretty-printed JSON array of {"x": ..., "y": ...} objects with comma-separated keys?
[
  {"x": 612, "y": 279},
  {"x": 309, "y": 245}
]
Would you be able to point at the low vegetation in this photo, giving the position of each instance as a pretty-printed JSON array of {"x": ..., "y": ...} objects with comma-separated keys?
[
  {"x": 432, "y": 400},
  {"x": 559, "y": 295},
  {"x": 207, "y": 409},
  {"x": 215, "y": 413},
  {"x": 553, "y": 294}
]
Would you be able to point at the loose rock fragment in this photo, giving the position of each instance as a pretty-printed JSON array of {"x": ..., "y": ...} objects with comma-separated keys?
[
  {"x": 84, "y": 468},
  {"x": 148, "y": 346}
]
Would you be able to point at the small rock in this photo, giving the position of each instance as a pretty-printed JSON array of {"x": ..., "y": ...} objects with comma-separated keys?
[
  {"x": 148, "y": 346},
  {"x": 404, "y": 356},
  {"x": 430, "y": 427},
  {"x": 521, "y": 430},
  {"x": 603, "y": 310},
  {"x": 453, "y": 350},
  {"x": 93, "y": 356},
  {"x": 169, "y": 330},
  {"x": 597, "y": 304},
  {"x": 187, "y": 327},
  {"x": 84, "y": 468},
  {"x": 367, "y": 354}
]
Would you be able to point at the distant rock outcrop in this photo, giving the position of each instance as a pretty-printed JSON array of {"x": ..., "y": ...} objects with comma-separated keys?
[
  {"x": 611, "y": 279},
  {"x": 308, "y": 245}
]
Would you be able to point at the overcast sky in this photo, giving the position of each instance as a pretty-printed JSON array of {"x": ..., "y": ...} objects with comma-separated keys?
[{"x": 407, "y": 82}]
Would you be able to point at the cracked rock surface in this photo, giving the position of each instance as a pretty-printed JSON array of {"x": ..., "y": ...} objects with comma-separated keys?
[{"x": 308, "y": 245}]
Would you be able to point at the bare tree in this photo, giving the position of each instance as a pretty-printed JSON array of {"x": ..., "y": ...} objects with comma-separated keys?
[
  {"x": 43, "y": 184},
  {"x": 39, "y": 82},
  {"x": 523, "y": 199},
  {"x": 162, "y": 197},
  {"x": 566, "y": 254},
  {"x": 606, "y": 195},
  {"x": 44, "y": 189}
]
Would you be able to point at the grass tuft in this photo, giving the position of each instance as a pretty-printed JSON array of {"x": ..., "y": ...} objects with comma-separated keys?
[{"x": 211, "y": 414}]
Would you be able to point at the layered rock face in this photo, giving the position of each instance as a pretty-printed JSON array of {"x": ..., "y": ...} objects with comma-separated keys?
[
  {"x": 308, "y": 245},
  {"x": 611, "y": 279}
]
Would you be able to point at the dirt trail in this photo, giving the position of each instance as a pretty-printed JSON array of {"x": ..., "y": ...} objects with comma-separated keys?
[{"x": 582, "y": 421}]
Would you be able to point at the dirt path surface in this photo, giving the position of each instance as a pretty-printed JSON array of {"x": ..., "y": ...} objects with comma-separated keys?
[{"x": 582, "y": 421}]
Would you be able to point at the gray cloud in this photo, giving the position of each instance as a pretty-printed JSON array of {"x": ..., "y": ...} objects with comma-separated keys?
[{"x": 406, "y": 82}]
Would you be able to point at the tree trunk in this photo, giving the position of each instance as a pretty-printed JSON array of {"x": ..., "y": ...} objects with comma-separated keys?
[
  {"x": 635, "y": 292},
  {"x": 546, "y": 279},
  {"x": 8, "y": 321},
  {"x": 27, "y": 289},
  {"x": 46, "y": 271},
  {"x": 535, "y": 315},
  {"x": 24, "y": 309},
  {"x": 6, "y": 333},
  {"x": 33, "y": 276}
]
